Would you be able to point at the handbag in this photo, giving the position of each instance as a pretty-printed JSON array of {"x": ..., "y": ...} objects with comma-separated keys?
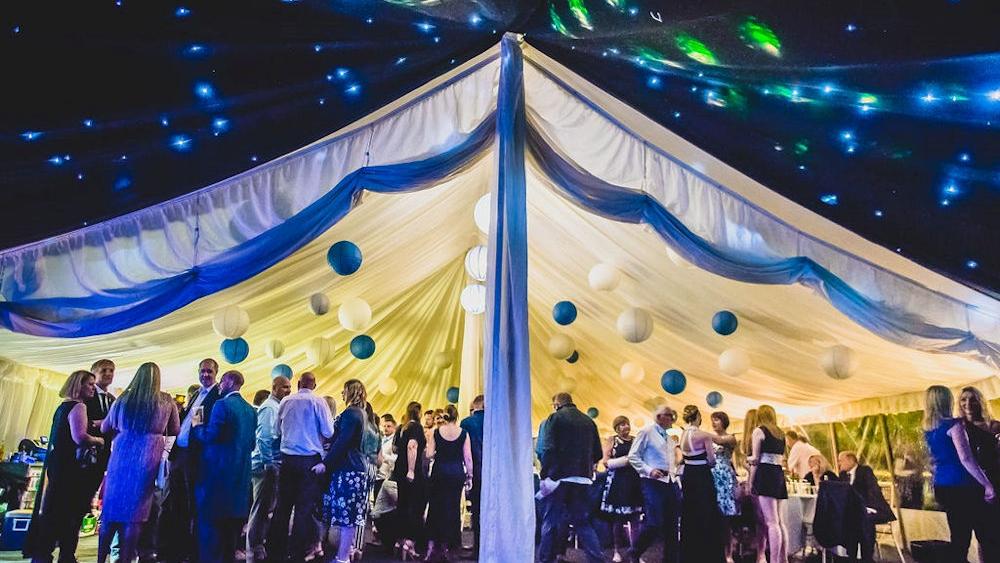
[{"x": 86, "y": 456}]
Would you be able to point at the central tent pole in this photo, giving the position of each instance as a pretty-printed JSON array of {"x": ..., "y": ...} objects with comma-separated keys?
[{"x": 508, "y": 507}]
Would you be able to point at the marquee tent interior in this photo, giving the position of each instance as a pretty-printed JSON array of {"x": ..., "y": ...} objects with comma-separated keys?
[{"x": 602, "y": 184}]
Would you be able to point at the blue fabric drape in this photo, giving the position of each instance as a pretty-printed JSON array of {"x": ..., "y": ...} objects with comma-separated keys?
[
  {"x": 508, "y": 511},
  {"x": 119, "y": 309},
  {"x": 631, "y": 206}
]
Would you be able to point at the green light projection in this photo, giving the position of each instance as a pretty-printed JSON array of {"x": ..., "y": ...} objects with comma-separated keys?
[
  {"x": 695, "y": 49},
  {"x": 756, "y": 35}
]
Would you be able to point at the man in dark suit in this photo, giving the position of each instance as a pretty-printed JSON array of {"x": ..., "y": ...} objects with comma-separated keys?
[
  {"x": 176, "y": 537},
  {"x": 570, "y": 449},
  {"x": 97, "y": 410},
  {"x": 222, "y": 491},
  {"x": 473, "y": 424},
  {"x": 877, "y": 510}
]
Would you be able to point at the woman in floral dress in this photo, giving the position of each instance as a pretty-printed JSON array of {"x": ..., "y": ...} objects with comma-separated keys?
[{"x": 724, "y": 475}]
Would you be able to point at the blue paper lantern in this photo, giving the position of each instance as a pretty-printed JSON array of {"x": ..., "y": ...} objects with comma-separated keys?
[
  {"x": 234, "y": 350},
  {"x": 452, "y": 394},
  {"x": 283, "y": 370},
  {"x": 592, "y": 412},
  {"x": 564, "y": 312},
  {"x": 673, "y": 382},
  {"x": 573, "y": 357},
  {"x": 344, "y": 257},
  {"x": 714, "y": 399},
  {"x": 362, "y": 347},
  {"x": 725, "y": 322}
]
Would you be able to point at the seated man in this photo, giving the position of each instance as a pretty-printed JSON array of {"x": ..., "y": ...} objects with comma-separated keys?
[{"x": 877, "y": 510}]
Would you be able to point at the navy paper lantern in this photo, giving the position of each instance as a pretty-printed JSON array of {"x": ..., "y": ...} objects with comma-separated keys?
[
  {"x": 725, "y": 323},
  {"x": 344, "y": 257},
  {"x": 564, "y": 312},
  {"x": 714, "y": 399},
  {"x": 362, "y": 347},
  {"x": 452, "y": 395},
  {"x": 281, "y": 370},
  {"x": 673, "y": 382},
  {"x": 574, "y": 357},
  {"x": 234, "y": 350},
  {"x": 592, "y": 412}
]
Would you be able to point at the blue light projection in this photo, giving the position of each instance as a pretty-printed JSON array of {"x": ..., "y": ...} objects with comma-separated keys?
[{"x": 180, "y": 143}]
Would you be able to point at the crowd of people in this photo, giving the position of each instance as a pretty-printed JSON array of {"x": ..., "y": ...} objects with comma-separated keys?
[{"x": 214, "y": 478}]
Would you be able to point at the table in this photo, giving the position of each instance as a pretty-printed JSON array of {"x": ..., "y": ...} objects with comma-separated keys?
[{"x": 799, "y": 511}]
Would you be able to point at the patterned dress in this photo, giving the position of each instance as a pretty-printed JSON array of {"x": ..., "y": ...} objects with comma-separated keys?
[
  {"x": 724, "y": 476},
  {"x": 622, "y": 495}
]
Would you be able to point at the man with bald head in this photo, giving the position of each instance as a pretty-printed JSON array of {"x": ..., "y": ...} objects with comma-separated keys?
[
  {"x": 304, "y": 421},
  {"x": 264, "y": 468}
]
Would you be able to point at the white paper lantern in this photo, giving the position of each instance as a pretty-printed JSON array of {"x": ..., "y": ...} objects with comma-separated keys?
[
  {"x": 839, "y": 361},
  {"x": 476, "y": 262},
  {"x": 561, "y": 346},
  {"x": 635, "y": 324},
  {"x": 604, "y": 277},
  {"x": 319, "y": 351},
  {"x": 631, "y": 372},
  {"x": 442, "y": 360},
  {"x": 274, "y": 349},
  {"x": 388, "y": 387},
  {"x": 474, "y": 298},
  {"x": 354, "y": 314},
  {"x": 231, "y": 321},
  {"x": 734, "y": 362},
  {"x": 482, "y": 214},
  {"x": 319, "y": 304}
]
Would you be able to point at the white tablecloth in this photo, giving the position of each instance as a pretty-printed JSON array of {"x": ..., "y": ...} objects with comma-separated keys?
[{"x": 799, "y": 511}]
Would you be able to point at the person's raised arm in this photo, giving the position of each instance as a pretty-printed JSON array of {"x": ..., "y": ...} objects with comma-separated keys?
[
  {"x": 467, "y": 454},
  {"x": 724, "y": 440},
  {"x": 78, "y": 427},
  {"x": 961, "y": 441},
  {"x": 706, "y": 442}
]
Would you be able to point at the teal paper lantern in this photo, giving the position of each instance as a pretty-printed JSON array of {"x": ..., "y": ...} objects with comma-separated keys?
[
  {"x": 564, "y": 312},
  {"x": 452, "y": 394},
  {"x": 592, "y": 412},
  {"x": 281, "y": 370},
  {"x": 673, "y": 382},
  {"x": 725, "y": 323},
  {"x": 234, "y": 350},
  {"x": 573, "y": 357},
  {"x": 714, "y": 399},
  {"x": 344, "y": 257},
  {"x": 362, "y": 347}
]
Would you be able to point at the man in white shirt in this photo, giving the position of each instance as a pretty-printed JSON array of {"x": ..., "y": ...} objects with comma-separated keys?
[
  {"x": 387, "y": 457},
  {"x": 264, "y": 468},
  {"x": 303, "y": 423},
  {"x": 653, "y": 455},
  {"x": 799, "y": 452}
]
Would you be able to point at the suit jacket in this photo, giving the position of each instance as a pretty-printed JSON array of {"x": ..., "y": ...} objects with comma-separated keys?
[
  {"x": 867, "y": 487},
  {"x": 97, "y": 411},
  {"x": 194, "y": 443},
  {"x": 570, "y": 445},
  {"x": 223, "y": 489}
]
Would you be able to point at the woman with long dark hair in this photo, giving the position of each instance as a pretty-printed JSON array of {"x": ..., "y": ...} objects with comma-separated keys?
[
  {"x": 724, "y": 476},
  {"x": 409, "y": 475},
  {"x": 767, "y": 480},
  {"x": 57, "y": 517},
  {"x": 451, "y": 450}
]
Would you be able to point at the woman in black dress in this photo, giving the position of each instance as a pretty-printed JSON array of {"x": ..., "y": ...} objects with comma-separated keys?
[
  {"x": 702, "y": 527},
  {"x": 408, "y": 473},
  {"x": 768, "y": 480},
  {"x": 57, "y": 518},
  {"x": 983, "y": 432},
  {"x": 621, "y": 497},
  {"x": 451, "y": 450}
]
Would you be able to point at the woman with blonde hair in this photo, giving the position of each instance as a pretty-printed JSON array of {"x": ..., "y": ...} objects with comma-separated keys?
[
  {"x": 137, "y": 423},
  {"x": 767, "y": 479},
  {"x": 819, "y": 470},
  {"x": 744, "y": 451},
  {"x": 961, "y": 486},
  {"x": 56, "y": 520}
]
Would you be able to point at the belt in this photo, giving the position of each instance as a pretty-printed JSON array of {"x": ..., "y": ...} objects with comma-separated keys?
[{"x": 771, "y": 459}]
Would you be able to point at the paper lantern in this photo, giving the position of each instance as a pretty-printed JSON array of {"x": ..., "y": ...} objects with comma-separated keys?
[
  {"x": 451, "y": 394},
  {"x": 567, "y": 384},
  {"x": 838, "y": 361},
  {"x": 319, "y": 304},
  {"x": 724, "y": 323},
  {"x": 234, "y": 350},
  {"x": 442, "y": 360},
  {"x": 481, "y": 214},
  {"x": 592, "y": 412},
  {"x": 362, "y": 346},
  {"x": 574, "y": 357},
  {"x": 354, "y": 314},
  {"x": 673, "y": 382},
  {"x": 604, "y": 277},
  {"x": 344, "y": 257},
  {"x": 714, "y": 399},
  {"x": 274, "y": 349},
  {"x": 631, "y": 372},
  {"x": 564, "y": 312},
  {"x": 319, "y": 351},
  {"x": 231, "y": 322},
  {"x": 476, "y": 262},
  {"x": 561, "y": 346},
  {"x": 281, "y": 370},
  {"x": 734, "y": 362},
  {"x": 474, "y": 298},
  {"x": 635, "y": 324},
  {"x": 388, "y": 387}
]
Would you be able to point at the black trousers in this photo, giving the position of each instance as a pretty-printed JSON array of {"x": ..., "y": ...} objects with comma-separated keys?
[
  {"x": 568, "y": 504},
  {"x": 64, "y": 504},
  {"x": 967, "y": 511},
  {"x": 175, "y": 537},
  {"x": 661, "y": 505},
  {"x": 218, "y": 538},
  {"x": 298, "y": 491}
]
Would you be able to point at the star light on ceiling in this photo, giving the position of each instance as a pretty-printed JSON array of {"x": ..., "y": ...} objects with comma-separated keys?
[
  {"x": 829, "y": 199},
  {"x": 179, "y": 142},
  {"x": 31, "y": 135},
  {"x": 182, "y": 12},
  {"x": 204, "y": 90}
]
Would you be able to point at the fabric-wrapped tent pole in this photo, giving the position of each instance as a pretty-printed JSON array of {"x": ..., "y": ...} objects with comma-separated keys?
[{"x": 508, "y": 510}]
